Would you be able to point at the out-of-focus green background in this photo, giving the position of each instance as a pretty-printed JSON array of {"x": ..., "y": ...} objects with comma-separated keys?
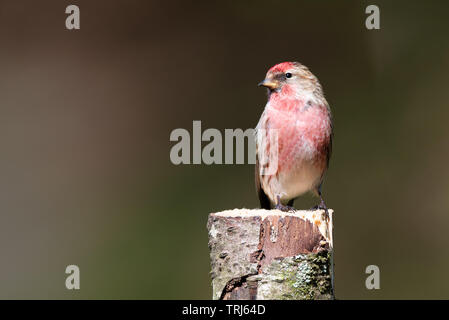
[{"x": 85, "y": 120}]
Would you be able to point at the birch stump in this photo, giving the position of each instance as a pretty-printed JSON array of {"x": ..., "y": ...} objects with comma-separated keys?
[{"x": 270, "y": 254}]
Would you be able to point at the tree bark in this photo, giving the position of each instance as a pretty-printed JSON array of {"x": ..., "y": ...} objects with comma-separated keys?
[{"x": 270, "y": 254}]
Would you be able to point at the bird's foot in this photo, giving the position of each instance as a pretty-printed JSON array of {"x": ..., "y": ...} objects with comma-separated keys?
[
  {"x": 322, "y": 206},
  {"x": 284, "y": 208}
]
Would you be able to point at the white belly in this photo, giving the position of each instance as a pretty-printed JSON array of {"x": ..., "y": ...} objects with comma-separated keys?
[{"x": 303, "y": 177}]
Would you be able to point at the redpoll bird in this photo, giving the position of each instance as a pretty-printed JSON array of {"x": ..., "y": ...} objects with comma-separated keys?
[{"x": 301, "y": 118}]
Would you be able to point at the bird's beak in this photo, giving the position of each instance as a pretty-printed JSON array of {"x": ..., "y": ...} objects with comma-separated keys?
[{"x": 268, "y": 83}]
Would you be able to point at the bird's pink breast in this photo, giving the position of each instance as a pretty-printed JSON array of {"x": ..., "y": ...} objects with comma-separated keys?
[{"x": 304, "y": 131}]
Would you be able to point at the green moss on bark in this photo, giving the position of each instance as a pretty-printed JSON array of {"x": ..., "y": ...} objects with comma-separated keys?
[{"x": 303, "y": 277}]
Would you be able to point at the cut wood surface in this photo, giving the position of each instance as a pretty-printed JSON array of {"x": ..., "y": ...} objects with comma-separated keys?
[{"x": 270, "y": 254}]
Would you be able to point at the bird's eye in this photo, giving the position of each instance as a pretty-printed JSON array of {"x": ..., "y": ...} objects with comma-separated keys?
[{"x": 288, "y": 75}]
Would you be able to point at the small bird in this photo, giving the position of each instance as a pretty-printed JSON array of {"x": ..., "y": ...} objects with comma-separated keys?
[{"x": 298, "y": 117}]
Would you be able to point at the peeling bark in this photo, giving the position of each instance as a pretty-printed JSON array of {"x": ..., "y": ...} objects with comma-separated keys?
[{"x": 269, "y": 254}]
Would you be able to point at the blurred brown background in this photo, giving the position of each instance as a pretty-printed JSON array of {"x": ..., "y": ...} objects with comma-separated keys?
[{"x": 85, "y": 119}]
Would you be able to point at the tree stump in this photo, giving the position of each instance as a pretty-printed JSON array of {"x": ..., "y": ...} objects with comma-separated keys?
[{"x": 270, "y": 254}]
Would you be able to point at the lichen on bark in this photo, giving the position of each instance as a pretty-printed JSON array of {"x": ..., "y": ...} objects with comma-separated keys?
[{"x": 302, "y": 277}]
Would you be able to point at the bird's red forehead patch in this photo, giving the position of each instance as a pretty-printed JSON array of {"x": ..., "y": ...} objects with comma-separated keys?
[{"x": 281, "y": 67}]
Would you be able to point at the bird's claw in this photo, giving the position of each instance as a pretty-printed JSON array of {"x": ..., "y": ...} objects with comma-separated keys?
[
  {"x": 284, "y": 208},
  {"x": 322, "y": 206}
]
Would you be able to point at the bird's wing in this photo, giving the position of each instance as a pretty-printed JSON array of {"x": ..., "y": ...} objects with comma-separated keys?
[{"x": 263, "y": 198}]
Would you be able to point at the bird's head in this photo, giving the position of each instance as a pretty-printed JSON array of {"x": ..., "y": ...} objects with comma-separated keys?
[{"x": 290, "y": 78}]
